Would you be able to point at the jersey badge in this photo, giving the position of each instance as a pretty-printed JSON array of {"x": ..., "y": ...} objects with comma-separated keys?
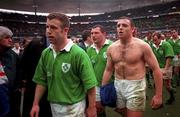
[{"x": 65, "y": 67}]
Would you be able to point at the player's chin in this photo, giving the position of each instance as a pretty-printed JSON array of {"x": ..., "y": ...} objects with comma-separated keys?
[{"x": 51, "y": 42}]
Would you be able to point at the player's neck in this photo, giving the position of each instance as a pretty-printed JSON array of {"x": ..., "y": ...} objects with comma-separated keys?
[
  {"x": 100, "y": 44},
  {"x": 126, "y": 41},
  {"x": 60, "y": 46}
]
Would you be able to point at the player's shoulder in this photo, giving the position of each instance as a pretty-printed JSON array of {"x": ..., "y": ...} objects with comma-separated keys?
[
  {"x": 114, "y": 45},
  {"x": 140, "y": 42}
]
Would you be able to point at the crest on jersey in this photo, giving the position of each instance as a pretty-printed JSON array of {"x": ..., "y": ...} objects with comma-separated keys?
[
  {"x": 65, "y": 67},
  {"x": 105, "y": 55},
  {"x": 161, "y": 52}
]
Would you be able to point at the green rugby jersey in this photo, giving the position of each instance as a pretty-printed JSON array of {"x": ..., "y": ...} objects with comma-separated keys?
[
  {"x": 165, "y": 50},
  {"x": 67, "y": 76},
  {"x": 98, "y": 60}
]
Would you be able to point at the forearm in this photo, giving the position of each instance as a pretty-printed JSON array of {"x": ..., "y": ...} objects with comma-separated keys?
[
  {"x": 106, "y": 77},
  {"x": 158, "y": 82},
  {"x": 92, "y": 97},
  {"x": 40, "y": 90}
]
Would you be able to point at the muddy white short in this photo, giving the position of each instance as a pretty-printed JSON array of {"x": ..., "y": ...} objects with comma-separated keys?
[
  {"x": 131, "y": 94},
  {"x": 75, "y": 110}
]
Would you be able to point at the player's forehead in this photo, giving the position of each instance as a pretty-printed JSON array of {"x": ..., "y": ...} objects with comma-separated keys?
[{"x": 124, "y": 21}]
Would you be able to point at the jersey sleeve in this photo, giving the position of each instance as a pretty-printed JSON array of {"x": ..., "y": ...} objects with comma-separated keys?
[
  {"x": 169, "y": 50},
  {"x": 40, "y": 76},
  {"x": 87, "y": 73}
]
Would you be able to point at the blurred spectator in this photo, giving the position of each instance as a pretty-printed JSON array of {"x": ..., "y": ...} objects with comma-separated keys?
[
  {"x": 30, "y": 58},
  {"x": 16, "y": 48},
  {"x": 86, "y": 40},
  {"x": 8, "y": 59}
]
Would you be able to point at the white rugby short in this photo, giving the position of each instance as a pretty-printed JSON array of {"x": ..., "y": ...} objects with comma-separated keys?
[
  {"x": 75, "y": 110},
  {"x": 131, "y": 94}
]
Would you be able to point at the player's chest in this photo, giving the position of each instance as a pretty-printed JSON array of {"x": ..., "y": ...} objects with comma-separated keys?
[{"x": 129, "y": 55}]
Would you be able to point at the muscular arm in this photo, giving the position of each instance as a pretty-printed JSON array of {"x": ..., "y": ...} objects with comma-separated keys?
[
  {"x": 108, "y": 70},
  {"x": 40, "y": 90},
  {"x": 153, "y": 64},
  {"x": 151, "y": 60}
]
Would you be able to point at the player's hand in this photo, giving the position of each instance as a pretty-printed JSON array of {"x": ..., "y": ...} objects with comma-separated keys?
[{"x": 156, "y": 102}]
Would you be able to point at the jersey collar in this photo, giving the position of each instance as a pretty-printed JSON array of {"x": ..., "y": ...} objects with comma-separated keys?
[
  {"x": 67, "y": 48},
  {"x": 105, "y": 43}
]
